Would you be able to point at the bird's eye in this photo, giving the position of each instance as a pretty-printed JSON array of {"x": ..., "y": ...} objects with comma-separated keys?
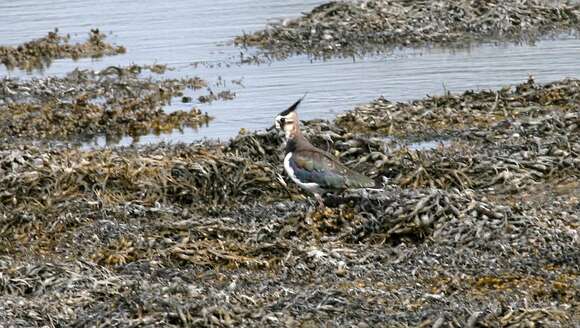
[{"x": 282, "y": 121}]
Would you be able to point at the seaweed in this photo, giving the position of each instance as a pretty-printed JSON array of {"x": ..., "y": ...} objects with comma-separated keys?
[
  {"x": 480, "y": 231},
  {"x": 38, "y": 54},
  {"x": 352, "y": 28}
]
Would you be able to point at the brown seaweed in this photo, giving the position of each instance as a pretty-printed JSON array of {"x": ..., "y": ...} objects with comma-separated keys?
[
  {"x": 482, "y": 231},
  {"x": 115, "y": 101},
  {"x": 38, "y": 54},
  {"x": 347, "y": 28}
]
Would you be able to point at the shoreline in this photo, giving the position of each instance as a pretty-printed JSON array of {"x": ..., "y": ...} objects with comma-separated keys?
[
  {"x": 354, "y": 28},
  {"x": 477, "y": 222},
  {"x": 214, "y": 233}
]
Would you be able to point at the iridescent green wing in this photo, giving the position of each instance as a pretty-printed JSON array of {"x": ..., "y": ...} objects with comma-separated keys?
[{"x": 316, "y": 166}]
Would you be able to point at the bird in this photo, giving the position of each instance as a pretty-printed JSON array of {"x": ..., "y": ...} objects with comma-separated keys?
[{"x": 313, "y": 169}]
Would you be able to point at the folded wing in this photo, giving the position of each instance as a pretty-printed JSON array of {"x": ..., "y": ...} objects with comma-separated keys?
[{"x": 316, "y": 166}]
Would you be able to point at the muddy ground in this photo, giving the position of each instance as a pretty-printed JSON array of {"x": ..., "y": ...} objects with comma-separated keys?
[{"x": 481, "y": 231}]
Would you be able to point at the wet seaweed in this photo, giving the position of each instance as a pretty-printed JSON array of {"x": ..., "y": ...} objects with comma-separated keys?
[
  {"x": 347, "y": 28},
  {"x": 115, "y": 101},
  {"x": 441, "y": 115},
  {"x": 502, "y": 141},
  {"x": 38, "y": 54},
  {"x": 481, "y": 231}
]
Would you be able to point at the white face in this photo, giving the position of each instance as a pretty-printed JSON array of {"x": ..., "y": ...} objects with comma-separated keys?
[
  {"x": 279, "y": 121},
  {"x": 286, "y": 123}
]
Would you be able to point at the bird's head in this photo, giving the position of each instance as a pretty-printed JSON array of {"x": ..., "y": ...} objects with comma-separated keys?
[{"x": 288, "y": 119}]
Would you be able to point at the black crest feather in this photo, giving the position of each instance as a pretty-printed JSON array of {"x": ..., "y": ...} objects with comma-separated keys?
[{"x": 293, "y": 107}]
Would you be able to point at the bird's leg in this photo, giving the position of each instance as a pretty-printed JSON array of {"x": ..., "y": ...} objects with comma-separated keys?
[{"x": 320, "y": 201}]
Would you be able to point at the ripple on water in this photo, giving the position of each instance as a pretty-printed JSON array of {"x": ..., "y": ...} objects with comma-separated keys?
[{"x": 184, "y": 33}]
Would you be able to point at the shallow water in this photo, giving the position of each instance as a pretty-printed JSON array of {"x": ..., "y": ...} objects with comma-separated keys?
[{"x": 183, "y": 32}]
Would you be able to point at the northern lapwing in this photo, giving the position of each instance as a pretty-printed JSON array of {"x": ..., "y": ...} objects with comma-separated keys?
[{"x": 313, "y": 169}]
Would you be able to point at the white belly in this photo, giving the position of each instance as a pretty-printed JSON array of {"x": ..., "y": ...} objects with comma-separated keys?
[{"x": 310, "y": 186}]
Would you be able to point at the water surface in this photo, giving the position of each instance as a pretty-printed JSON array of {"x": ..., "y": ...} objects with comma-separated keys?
[{"x": 181, "y": 33}]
